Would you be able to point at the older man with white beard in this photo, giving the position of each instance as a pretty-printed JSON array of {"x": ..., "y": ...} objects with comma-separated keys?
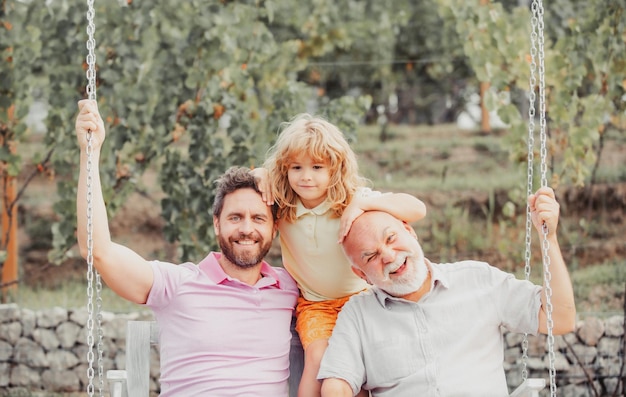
[{"x": 428, "y": 329}]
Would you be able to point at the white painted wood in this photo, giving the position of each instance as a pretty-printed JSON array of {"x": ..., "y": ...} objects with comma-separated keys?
[
  {"x": 529, "y": 388},
  {"x": 135, "y": 379},
  {"x": 117, "y": 383}
]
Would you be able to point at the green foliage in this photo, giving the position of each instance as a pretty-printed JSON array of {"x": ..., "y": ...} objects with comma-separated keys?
[
  {"x": 196, "y": 86},
  {"x": 366, "y": 33},
  {"x": 14, "y": 98},
  {"x": 585, "y": 72},
  {"x": 193, "y": 87}
]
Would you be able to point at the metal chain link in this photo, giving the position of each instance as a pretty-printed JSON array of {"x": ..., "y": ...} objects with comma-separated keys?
[
  {"x": 538, "y": 54},
  {"x": 530, "y": 171},
  {"x": 90, "y": 271},
  {"x": 91, "y": 94},
  {"x": 91, "y": 55},
  {"x": 100, "y": 346},
  {"x": 547, "y": 276}
]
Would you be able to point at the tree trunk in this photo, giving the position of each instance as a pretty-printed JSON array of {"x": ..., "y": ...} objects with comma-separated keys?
[
  {"x": 485, "y": 125},
  {"x": 9, "y": 237}
]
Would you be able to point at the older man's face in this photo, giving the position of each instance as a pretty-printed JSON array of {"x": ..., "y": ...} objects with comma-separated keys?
[{"x": 385, "y": 252}]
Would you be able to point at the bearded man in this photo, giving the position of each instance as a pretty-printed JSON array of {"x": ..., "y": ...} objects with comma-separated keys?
[{"x": 224, "y": 324}]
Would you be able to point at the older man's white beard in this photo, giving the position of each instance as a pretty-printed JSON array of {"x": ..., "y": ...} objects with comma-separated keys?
[{"x": 411, "y": 281}]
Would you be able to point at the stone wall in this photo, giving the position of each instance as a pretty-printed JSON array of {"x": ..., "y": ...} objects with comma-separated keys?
[
  {"x": 588, "y": 362},
  {"x": 47, "y": 351}
]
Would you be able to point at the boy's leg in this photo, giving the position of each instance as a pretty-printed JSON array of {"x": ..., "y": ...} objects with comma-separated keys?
[
  {"x": 315, "y": 322},
  {"x": 309, "y": 385}
]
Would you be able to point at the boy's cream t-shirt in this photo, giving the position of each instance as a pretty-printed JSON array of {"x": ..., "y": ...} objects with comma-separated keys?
[{"x": 314, "y": 258}]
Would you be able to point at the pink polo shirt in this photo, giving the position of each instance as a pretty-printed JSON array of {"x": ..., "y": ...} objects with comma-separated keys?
[{"x": 219, "y": 336}]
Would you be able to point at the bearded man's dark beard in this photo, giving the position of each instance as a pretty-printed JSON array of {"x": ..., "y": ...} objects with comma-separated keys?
[{"x": 244, "y": 260}]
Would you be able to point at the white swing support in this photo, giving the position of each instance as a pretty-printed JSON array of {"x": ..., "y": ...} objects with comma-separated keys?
[
  {"x": 529, "y": 388},
  {"x": 135, "y": 379}
]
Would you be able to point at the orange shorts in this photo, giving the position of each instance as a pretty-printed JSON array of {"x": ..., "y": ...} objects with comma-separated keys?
[{"x": 316, "y": 320}]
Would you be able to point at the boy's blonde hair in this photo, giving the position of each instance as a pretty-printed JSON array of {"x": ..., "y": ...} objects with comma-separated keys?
[{"x": 323, "y": 142}]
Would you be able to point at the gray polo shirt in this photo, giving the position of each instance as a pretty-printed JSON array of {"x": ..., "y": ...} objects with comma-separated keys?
[{"x": 447, "y": 344}]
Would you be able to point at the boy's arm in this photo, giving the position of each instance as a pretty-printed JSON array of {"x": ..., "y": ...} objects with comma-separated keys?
[
  {"x": 262, "y": 179},
  {"x": 403, "y": 206}
]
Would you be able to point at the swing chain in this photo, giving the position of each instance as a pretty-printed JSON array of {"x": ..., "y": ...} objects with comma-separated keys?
[
  {"x": 550, "y": 323},
  {"x": 538, "y": 9},
  {"x": 91, "y": 55},
  {"x": 91, "y": 94},
  {"x": 100, "y": 346},
  {"x": 538, "y": 62},
  {"x": 530, "y": 171},
  {"x": 90, "y": 271}
]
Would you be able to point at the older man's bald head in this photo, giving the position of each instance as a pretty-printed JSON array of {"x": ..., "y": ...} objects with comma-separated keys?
[{"x": 367, "y": 230}]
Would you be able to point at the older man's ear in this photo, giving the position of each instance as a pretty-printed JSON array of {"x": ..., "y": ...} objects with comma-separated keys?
[
  {"x": 360, "y": 273},
  {"x": 410, "y": 229}
]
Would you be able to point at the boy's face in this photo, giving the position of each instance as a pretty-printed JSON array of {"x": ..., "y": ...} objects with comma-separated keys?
[{"x": 309, "y": 179}]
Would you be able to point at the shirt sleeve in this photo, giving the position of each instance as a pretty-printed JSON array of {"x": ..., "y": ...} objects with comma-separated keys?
[
  {"x": 367, "y": 192},
  {"x": 343, "y": 358},
  {"x": 519, "y": 303},
  {"x": 167, "y": 278}
]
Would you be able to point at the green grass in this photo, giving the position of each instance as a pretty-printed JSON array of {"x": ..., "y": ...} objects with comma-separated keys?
[
  {"x": 417, "y": 158},
  {"x": 442, "y": 157},
  {"x": 598, "y": 288},
  {"x": 71, "y": 294}
]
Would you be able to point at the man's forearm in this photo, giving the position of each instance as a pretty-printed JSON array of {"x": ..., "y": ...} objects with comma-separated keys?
[{"x": 562, "y": 299}]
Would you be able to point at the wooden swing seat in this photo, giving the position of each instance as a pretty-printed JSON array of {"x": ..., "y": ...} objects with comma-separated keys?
[{"x": 141, "y": 335}]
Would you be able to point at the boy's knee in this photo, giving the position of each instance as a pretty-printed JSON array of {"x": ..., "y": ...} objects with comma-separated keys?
[{"x": 315, "y": 351}]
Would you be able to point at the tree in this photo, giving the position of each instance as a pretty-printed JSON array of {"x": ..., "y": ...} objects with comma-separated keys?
[
  {"x": 14, "y": 103},
  {"x": 585, "y": 55},
  {"x": 188, "y": 87},
  {"x": 7, "y": 156},
  {"x": 192, "y": 87}
]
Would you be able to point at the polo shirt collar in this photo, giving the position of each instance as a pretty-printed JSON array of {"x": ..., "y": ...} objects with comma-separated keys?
[
  {"x": 319, "y": 210},
  {"x": 211, "y": 267},
  {"x": 438, "y": 279}
]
